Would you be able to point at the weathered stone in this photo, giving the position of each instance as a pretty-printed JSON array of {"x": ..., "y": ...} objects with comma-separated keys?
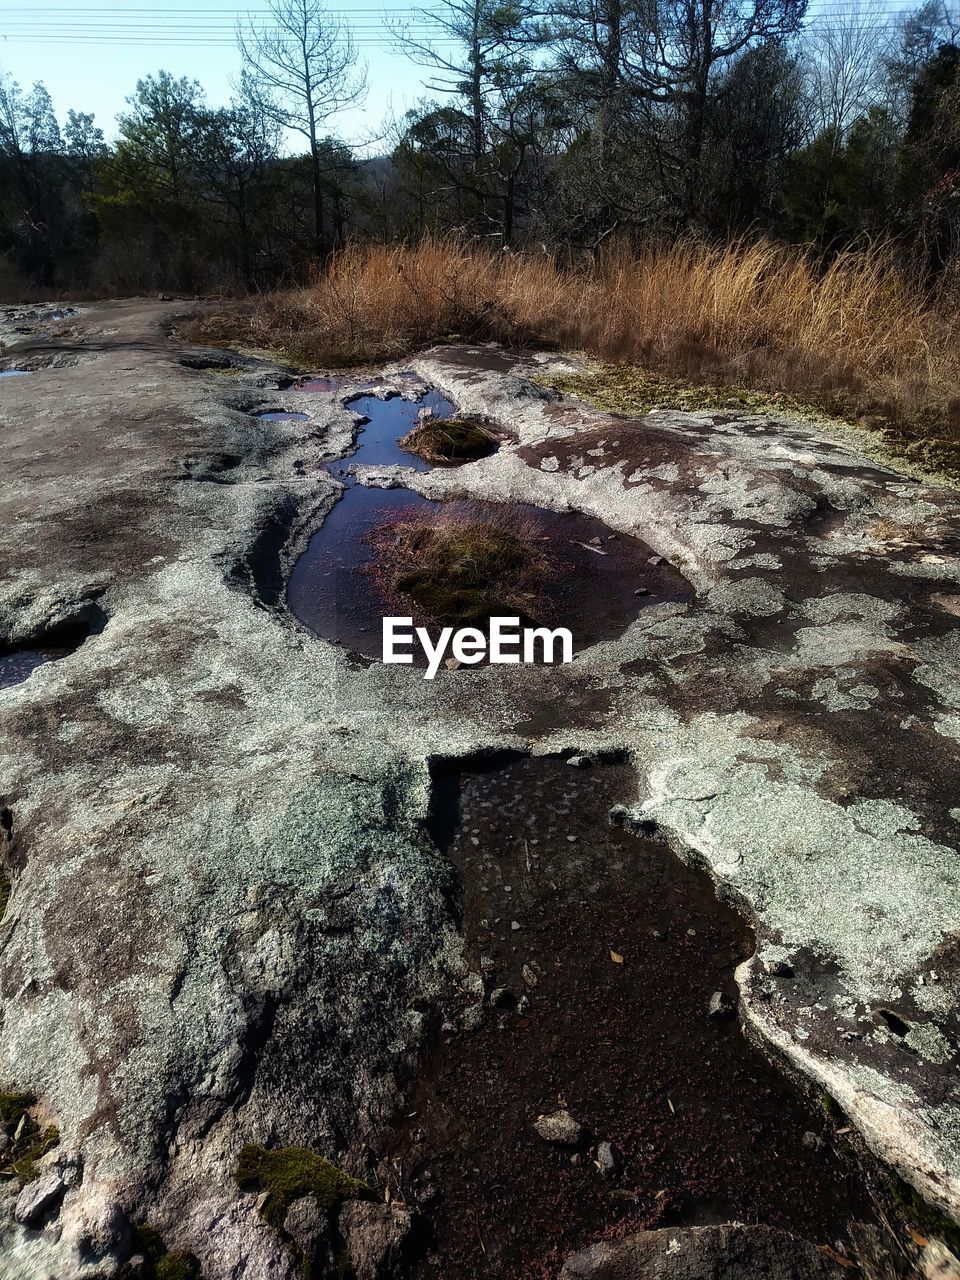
[
  {"x": 560, "y": 1128},
  {"x": 306, "y": 1224},
  {"x": 721, "y": 1006},
  {"x": 271, "y": 896},
  {"x": 733, "y": 1252},
  {"x": 39, "y": 1197},
  {"x": 937, "y": 1262},
  {"x": 608, "y": 1159},
  {"x": 376, "y": 1236}
]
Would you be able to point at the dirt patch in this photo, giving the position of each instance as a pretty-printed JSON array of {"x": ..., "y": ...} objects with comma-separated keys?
[{"x": 600, "y": 954}]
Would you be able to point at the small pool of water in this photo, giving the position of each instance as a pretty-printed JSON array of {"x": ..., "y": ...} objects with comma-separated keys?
[
  {"x": 15, "y": 373},
  {"x": 594, "y": 591},
  {"x": 600, "y": 583},
  {"x": 17, "y": 666},
  {"x": 615, "y": 948},
  {"x": 316, "y": 384},
  {"x": 281, "y": 415},
  {"x": 388, "y": 421}
]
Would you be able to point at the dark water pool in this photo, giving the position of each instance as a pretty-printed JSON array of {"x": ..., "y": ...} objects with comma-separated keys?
[
  {"x": 615, "y": 948},
  {"x": 601, "y": 582},
  {"x": 316, "y": 384},
  {"x": 17, "y": 666},
  {"x": 332, "y": 591}
]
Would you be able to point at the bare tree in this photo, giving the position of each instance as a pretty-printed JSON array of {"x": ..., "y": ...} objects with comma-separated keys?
[
  {"x": 303, "y": 64},
  {"x": 845, "y": 65}
]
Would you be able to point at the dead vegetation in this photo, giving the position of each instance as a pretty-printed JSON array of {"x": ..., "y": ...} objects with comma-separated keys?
[
  {"x": 463, "y": 563},
  {"x": 858, "y": 337},
  {"x": 450, "y": 440}
]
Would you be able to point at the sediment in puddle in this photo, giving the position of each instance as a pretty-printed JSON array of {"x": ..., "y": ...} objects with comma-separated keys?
[{"x": 594, "y": 955}]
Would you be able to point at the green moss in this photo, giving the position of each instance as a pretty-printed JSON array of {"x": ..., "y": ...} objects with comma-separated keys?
[
  {"x": 924, "y": 1217},
  {"x": 625, "y": 388},
  {"x": 177, "y": 1266},
  {"x": 290, "y": 1173},
  {"x": 450, "y": 440},
  {"x": 28, "y": 1143},
  {"x": 161, "y": 1264}
]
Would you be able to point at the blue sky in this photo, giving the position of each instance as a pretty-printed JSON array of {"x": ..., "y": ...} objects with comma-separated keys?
[{"x": 91, "y": 54}]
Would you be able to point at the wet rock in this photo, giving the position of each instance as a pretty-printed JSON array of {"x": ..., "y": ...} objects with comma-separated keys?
[
  {"x": 608, "y": 1159},
  {"x": 721, "y": 1007},
  {"x": 560, "y": 1128},
  {"x": 376, "y": 1236},
  {"x": 38, "y": 1197},
  {"x": 733, "y": 1252},
  {"x": 937, "y": 1262}
]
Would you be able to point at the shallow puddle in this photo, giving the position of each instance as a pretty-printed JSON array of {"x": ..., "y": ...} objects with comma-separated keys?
[
  {"x": 316, "y": 384},
  {"x": 14, "y": 373},
  {"x": 281, "y": 415},
  {"x": 15, "y": 667},
  {"x": 602, "y": 580},
  {"x": 387, "y": 422},
  {"x": 594, "y": 592},
  {"x": 613, "y": 949}
]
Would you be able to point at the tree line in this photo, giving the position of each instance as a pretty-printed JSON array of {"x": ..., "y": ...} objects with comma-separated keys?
[{"x": 554, "y": 123}]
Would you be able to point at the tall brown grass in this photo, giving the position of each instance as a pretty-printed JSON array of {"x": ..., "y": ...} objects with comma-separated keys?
[{"x": 858, "y": 335}]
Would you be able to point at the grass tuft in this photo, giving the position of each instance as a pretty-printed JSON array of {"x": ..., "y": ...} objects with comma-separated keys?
[
  {"x": 462, "y": 563},
  {"x": 450, "y": 440},
  {"x": 857, "y": 337}
]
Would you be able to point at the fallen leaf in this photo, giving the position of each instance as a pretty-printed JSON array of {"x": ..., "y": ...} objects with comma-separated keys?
[
  {"x": 616, "y": 957},
  {"x": 919, "y": 1240},
  {"x": 836, "y": 1257}
]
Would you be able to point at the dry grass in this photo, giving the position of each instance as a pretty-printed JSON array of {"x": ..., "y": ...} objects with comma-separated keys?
[
  {"x": 461, "y": 563},
  {"x": 859, "y": 337}
]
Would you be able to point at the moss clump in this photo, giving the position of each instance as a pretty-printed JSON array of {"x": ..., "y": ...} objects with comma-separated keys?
[
  {"x": 289, "y": 1174},
  {"x": 450, "y": 440},
  {"x": 161, "y": 1264},
  {"x": 924, "y": 1217},
  {"x": 177, "y": 1266},
  {"x": 27, "y": 1142},
  {"x": 627, "y": 388},
  {"x": 460, "y": 568}
]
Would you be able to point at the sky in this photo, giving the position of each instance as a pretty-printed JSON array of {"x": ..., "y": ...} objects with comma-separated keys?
[{"x": 90, "y": 55}]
